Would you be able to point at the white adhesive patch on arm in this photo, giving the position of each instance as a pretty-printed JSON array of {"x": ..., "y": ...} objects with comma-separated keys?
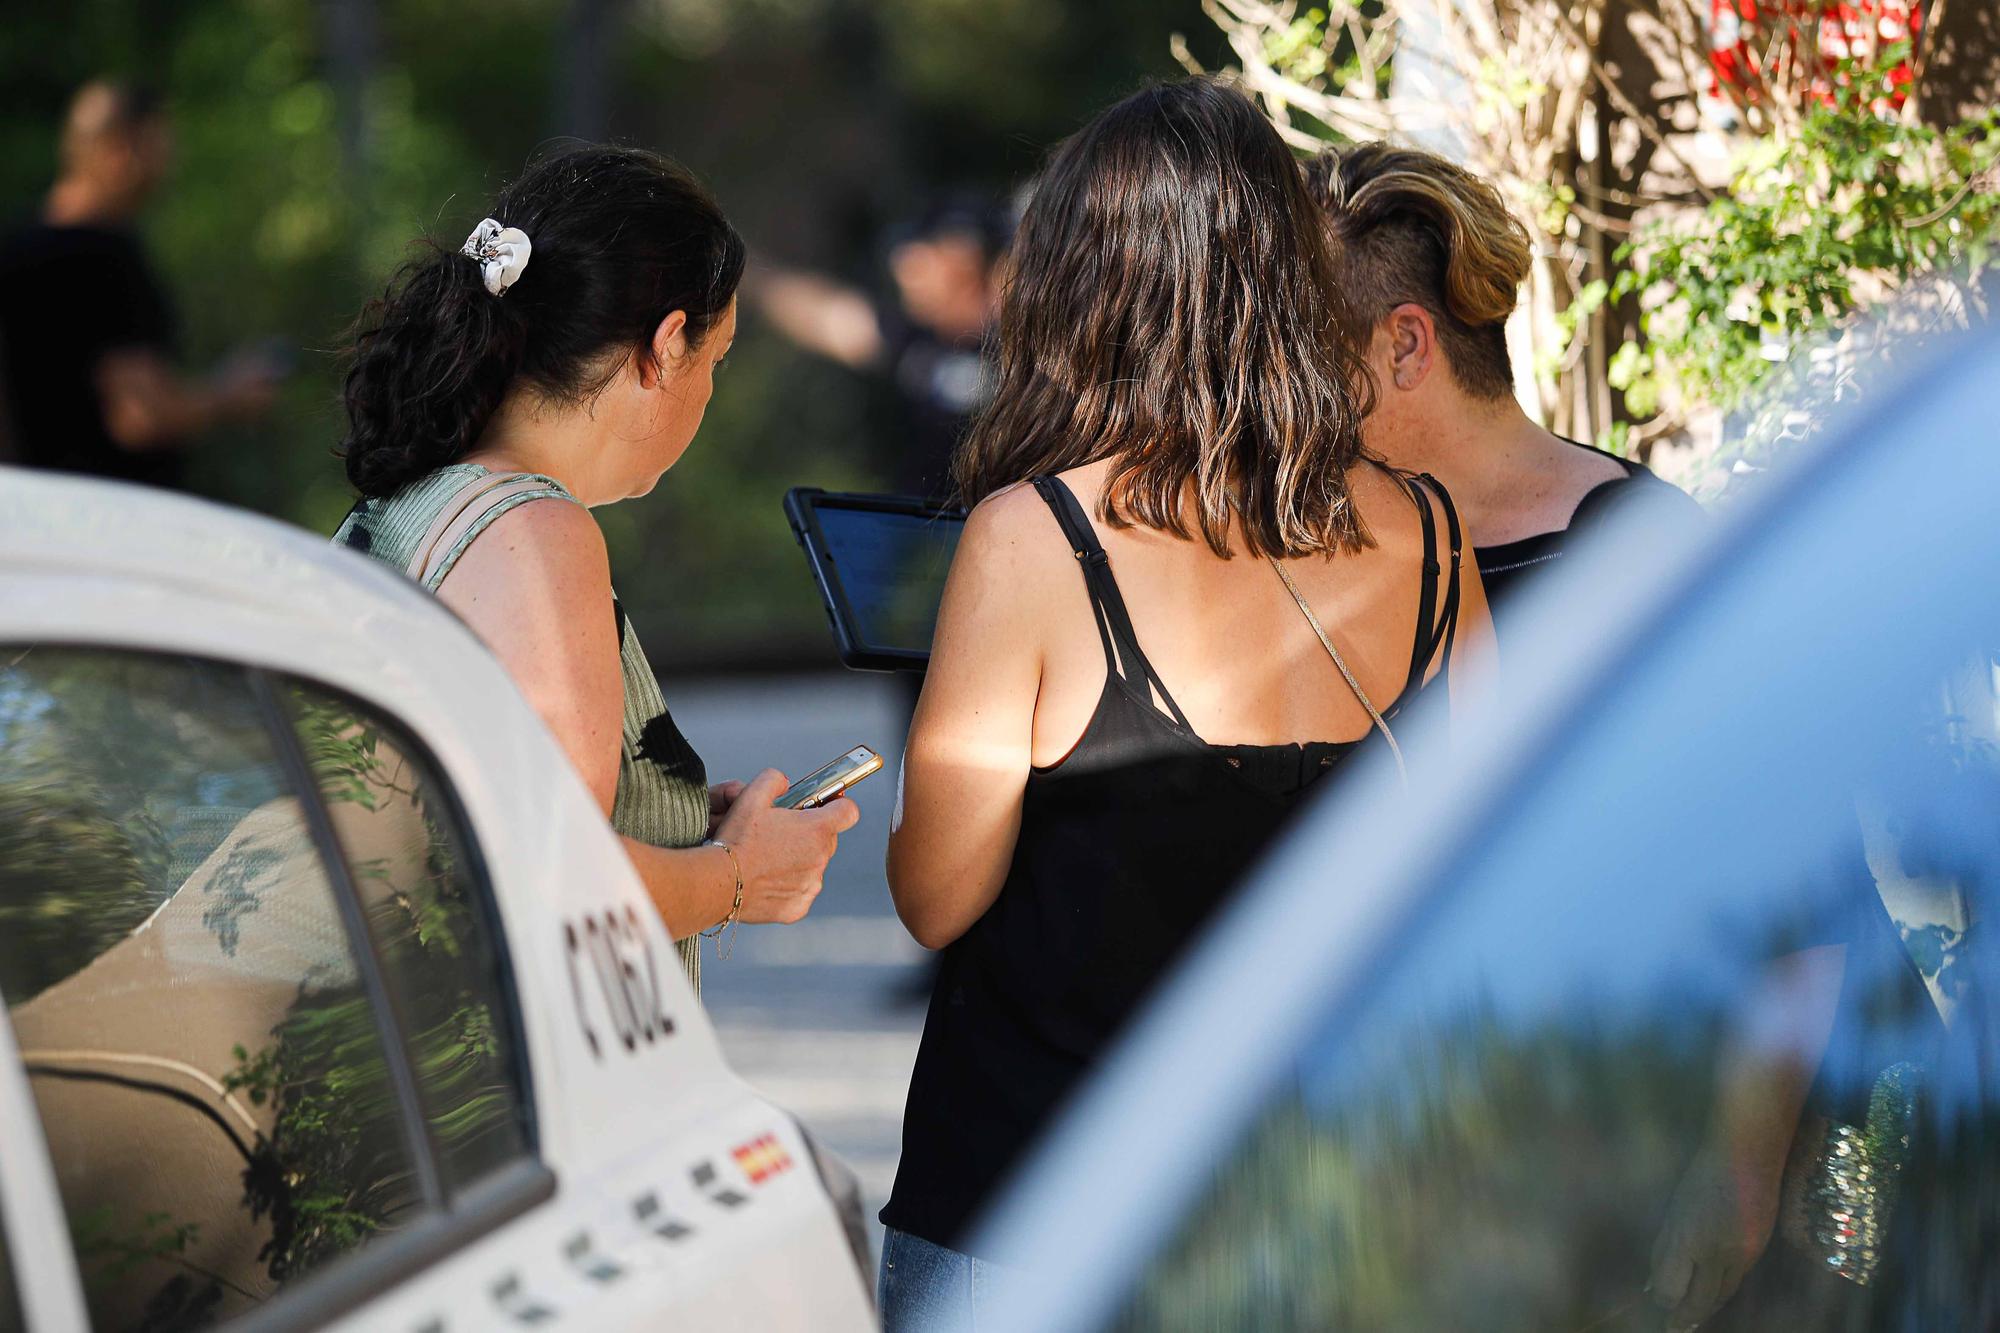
[{"x": 896, "y": 817}]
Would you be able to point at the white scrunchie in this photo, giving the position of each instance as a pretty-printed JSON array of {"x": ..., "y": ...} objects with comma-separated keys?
[{"x": 501, "y": 253}]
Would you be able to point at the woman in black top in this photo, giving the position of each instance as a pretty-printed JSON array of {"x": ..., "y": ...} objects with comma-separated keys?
[
  {"x": 1125, "y": 700},
  {"x": 1430, "y": 263}
]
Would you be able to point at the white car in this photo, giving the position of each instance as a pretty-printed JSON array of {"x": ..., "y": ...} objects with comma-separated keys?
[{"x": 330, "y": 999}]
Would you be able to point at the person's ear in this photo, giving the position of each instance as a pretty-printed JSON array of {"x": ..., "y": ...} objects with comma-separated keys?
[
  {"x": 1412, "y": 345},
  {"x": 669, "y": 346}
]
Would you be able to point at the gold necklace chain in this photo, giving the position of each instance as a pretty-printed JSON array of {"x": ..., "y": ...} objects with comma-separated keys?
[{"x": 1346, "y": 675}]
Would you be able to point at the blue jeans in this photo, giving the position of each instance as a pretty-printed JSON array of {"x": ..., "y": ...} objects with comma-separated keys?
[{"x": 926, "y": 1288}]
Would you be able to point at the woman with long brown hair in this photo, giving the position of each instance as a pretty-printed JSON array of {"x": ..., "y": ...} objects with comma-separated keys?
[
  {"x": 1430, "y": 263},
  {"x": 1176, "y": 528}
]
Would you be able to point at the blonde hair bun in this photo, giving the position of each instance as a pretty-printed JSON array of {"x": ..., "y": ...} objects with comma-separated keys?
[{"x": 1416, "y": 227}]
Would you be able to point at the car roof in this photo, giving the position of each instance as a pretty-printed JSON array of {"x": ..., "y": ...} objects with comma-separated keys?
[
  {"x": 84, "y": 527},
  {"x": 1841, "y": 580},
  {"x": 267, "y": 593}
]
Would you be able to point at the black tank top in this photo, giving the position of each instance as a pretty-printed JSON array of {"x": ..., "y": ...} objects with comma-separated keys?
[
  {"x": 1126, "y": 847},
  {"x": 1505, "y": 567}
]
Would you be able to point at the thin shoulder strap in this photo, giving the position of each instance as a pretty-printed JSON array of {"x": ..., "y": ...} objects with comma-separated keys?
[
  {"x": 1435, "y": 629},
  {"x": 1122, "y": 655},
  {"x": 466, "y": 513},
  {"x": 1424, "y": 642},
  {"x": 1340, "y": 664}
]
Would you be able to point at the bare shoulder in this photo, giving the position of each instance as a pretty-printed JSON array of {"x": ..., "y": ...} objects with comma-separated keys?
[
  {"x": 1009, "y": 560},
  {"x": 543, "y": 550},
  {"x": 1387, "y": 503},
  {"x": 1589, "y": 467},
  {"x": 1009, "y": 505},
  {"x": 549, "y": 524},
  {"x": 1013, "y": 527}
]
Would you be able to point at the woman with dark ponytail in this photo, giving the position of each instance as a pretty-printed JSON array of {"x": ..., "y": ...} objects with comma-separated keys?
[{"x": 567, "y": 353}]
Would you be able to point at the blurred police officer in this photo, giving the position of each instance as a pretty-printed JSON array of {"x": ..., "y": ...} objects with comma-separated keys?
[{"x": 87, "y": 334}]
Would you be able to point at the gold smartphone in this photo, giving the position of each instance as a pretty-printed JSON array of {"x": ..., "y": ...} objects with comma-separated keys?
[{"x": 830, "y": 783}]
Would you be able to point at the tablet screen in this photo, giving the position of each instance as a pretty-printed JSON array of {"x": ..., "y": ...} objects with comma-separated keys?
[{"x": 891, "y": 569}]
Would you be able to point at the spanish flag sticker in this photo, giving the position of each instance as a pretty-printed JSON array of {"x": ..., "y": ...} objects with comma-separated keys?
[{"x": 762, "y": 1158}]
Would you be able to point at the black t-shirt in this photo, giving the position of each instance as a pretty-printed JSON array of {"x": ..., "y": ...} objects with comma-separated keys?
[
  {"x": 1504, "y": 567},
  {"x": 939, "y": 386},
  {"x": 68, "y": 296}
]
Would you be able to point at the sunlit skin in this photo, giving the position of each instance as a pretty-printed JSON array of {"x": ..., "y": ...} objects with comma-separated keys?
[
  {"x": 1509, "y": 477},
  {"x": 1017, "y": 667},
  {"x": 110, "y": 171},
  {"x": 1720, "y": 1220},
  {"x": 945, "y": 283},
  {"x": 536, "y": 586}
]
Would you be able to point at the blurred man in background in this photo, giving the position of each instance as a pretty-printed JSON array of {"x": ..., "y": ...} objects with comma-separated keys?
[
  {"x": 87, "y": 371},
  {"x": 927, "y": 342}
]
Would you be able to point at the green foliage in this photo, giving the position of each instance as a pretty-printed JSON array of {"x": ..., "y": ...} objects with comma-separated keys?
[
  {"x": 335, "y": 1168},
  {"x": 123, "y": 775},
  {"x": 1316, "y": 49},
  {"x": 118, "y": 776},
  {"x": 111, "y": 1250},
  {"x": 68, "y": 885},
  {"x": 1588, "y": 302},
  {"x": 1299, "y": 50},
  {"x": 1473, "y": 1177},
  {"x": 818, "y": 123},
  {"x": 109, "y": 1254},
  {"x": 1815, "y": 231},
  {"x": 342, "y": 753}
]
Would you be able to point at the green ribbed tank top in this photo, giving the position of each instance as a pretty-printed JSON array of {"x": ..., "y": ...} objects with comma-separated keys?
[{"x": 662, "y": 784}]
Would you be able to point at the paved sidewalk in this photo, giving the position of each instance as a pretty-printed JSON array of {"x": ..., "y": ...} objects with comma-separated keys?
[{"x": 820, "y": 1015}]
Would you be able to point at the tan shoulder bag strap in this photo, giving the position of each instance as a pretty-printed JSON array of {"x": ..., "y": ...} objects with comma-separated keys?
[
  {"x": 460, "y": 513},
  {"x": 1381, "y": 724}
]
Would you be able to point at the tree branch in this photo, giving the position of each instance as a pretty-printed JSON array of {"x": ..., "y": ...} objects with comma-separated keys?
[{"x": 1628, "y": 109}]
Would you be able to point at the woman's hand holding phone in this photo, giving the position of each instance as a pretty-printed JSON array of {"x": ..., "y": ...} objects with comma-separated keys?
[
  {"x": 783, "y": 852},
  {"x": 722, "y": 795}
]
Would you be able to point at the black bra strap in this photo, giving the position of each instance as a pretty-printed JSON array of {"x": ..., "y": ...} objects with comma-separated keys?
[
  {"x": 1457, "y": 540},
  {"x": 1425, "y": 641},
  {"x": 1443, "y": 632},
  {"x": 1122, "y": 656},
  {"x": 1084, "y": 546}
]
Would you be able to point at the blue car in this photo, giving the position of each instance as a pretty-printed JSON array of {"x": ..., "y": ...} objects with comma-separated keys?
[{"x": 1670, "y": 1001}]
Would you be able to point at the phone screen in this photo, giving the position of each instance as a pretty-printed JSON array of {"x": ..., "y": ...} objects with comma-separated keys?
[{"x": 860, "y": 760}]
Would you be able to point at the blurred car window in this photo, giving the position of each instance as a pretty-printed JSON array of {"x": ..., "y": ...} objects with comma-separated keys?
[
  {"x": 429, "y": 912},
  {"x": 10, "y": 1302},
  {"x": 1728, "y": 1060},
  {"x": 211, "y": 1076}
]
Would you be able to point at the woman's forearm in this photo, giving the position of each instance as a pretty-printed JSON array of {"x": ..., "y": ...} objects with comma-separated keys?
[
  {"x": 1758, "y": 1103},
  {"x": 692, "y": 888},
  {"x": 1767, "y": 1069},
  {"x": 938, "y": 890}
]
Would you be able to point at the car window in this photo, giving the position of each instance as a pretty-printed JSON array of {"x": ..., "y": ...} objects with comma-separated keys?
[
  {"x": 213, "y": 1083},
  {"x": 10, "y": 1299},
  {"x": 1714, "y": 1052},
  {"x": 426, "y": 904}
]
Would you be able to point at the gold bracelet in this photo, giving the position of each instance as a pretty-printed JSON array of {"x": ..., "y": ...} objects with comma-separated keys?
[{"x": 735, "y": 908}]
